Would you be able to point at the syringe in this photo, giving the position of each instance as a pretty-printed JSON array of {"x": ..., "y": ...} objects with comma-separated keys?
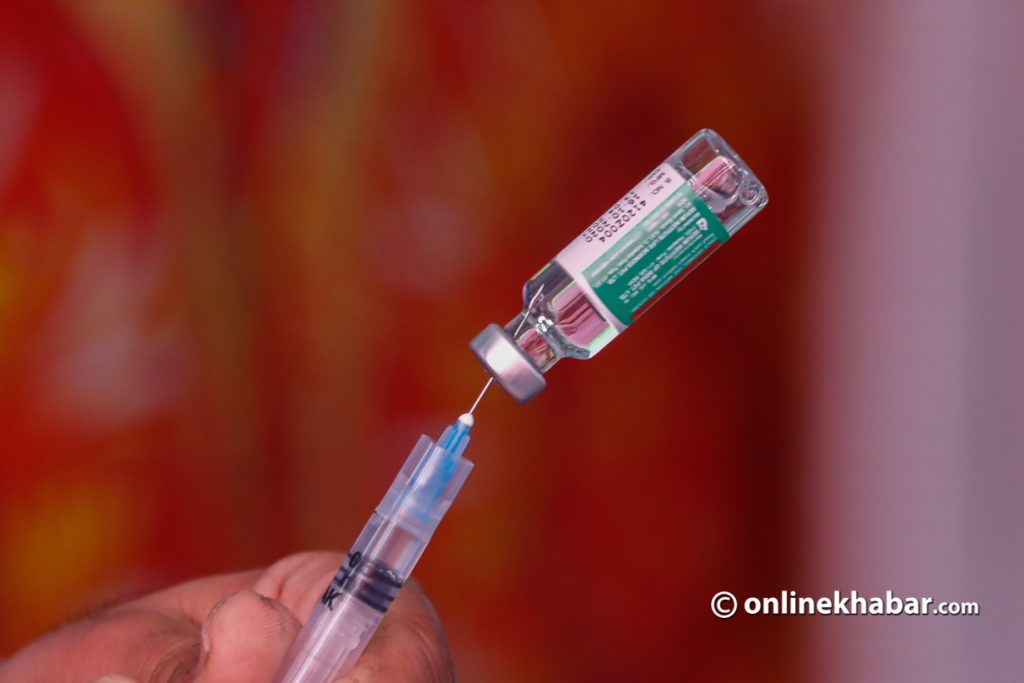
[{"x": 381, "y": 559}]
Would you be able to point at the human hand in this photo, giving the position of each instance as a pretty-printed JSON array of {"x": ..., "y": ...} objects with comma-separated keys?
[{"x": 232, "y": 628}]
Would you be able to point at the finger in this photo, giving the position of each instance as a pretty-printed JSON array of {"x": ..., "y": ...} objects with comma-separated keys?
[
  {"x": 194, "y": 599},
  {"x": 408, "y": 647},
  {"x": 140, "y": 645},
  {"x": 298, "y": 581},
  {"x": 113, "y": 678},
  {"x": 245, "y": 637}
]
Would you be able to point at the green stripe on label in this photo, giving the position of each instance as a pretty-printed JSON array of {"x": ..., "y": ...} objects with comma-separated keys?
[{"x": 654, "y": 253}]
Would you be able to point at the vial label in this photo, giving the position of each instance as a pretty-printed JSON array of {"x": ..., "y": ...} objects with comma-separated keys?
[{"x": 649, "y": 240}]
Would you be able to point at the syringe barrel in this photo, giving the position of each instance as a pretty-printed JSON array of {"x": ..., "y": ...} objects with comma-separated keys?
[
  {"x": 379, "y": 563},
  {"x": 330, "y": 643}
]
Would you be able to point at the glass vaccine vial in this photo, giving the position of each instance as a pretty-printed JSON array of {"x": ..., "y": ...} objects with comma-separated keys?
[{"x": 625, "y": 261}]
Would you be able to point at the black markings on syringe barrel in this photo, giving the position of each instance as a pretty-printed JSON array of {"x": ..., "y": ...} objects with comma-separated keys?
[{"x": 370, "y": 581}]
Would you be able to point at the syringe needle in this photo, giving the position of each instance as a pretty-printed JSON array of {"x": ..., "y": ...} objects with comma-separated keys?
[
  {"x": 481, "y": 394},
  {"x": 529, "y": 307}
]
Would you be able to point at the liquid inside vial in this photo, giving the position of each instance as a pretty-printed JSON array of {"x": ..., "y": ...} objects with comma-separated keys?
[{"x": 569, "y": 319}]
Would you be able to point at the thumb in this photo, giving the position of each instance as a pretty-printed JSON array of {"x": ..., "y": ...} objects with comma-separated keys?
[{"x": 245, "y": 637}]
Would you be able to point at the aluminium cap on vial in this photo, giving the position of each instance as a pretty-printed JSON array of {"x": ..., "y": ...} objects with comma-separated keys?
[{"x": 507, "y": 363}]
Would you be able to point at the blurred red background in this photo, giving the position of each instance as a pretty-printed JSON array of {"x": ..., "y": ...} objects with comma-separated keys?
[{"x": 243, "y": 248}]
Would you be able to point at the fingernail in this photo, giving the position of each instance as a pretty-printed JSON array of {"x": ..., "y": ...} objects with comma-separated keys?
[
  {"x": 205, "y": 632},
  {"x": 113, "y": 678}
]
